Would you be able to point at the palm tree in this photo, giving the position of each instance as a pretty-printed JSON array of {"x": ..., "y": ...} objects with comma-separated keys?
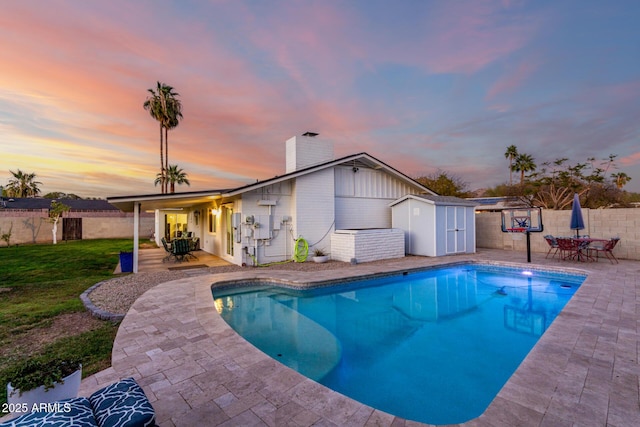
[
  {"x": 164, "y": 107},
  {"x": 173, "y": 176},
  {"x": 154, "y": 105},
  {"x": 174, "y": 114},
  {"x": 524, "y": 163},
  {"x": 511, "y": 154},
  {"x": 621, "y": 179},
  {"x": 23, "y": 185}
]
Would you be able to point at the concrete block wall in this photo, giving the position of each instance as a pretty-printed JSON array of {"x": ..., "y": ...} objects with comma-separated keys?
[
  {"x": 116, "y": 227},
  {"x": 367, "y": 245},
  {"x": 29, "y": 227},
  {"x": 599, "y": 223}
]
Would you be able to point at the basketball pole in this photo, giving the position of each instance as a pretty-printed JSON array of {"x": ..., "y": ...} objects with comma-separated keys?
[{"x": 528, "y": 245}]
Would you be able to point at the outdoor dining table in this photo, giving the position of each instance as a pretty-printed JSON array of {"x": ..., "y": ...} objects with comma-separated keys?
[{"x": 578, "y": 247}]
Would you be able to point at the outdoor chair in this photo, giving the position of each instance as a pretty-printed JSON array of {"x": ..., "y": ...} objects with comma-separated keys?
[
  {"x": 181, "y": 249},
  {"x": 605, "y": 247},
  {"x": 569, "y": 248},
  {"x": 167, "y": 249},
  {"x": 553, "y": 245},
  {"x": 194, "y": 244}
]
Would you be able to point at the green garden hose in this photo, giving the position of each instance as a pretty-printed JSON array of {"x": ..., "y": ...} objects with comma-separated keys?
[{"x": 301, "y": 250}]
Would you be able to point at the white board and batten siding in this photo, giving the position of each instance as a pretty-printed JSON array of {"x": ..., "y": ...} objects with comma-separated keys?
[
  {"x": 435, "y": 225},
  {"x": 362, "y": 198}
]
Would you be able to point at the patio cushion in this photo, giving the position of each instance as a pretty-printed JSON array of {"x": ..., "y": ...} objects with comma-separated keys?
[
  {"x": 69, "y": 412},
  {"x": 122, "y": 404}
]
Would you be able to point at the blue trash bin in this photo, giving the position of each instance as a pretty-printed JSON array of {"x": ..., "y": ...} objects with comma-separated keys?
[{"x": 126, "y": 262}]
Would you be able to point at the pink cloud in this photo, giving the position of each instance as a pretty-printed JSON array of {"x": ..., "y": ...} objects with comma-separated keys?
[{"x": 630, "y": 160}]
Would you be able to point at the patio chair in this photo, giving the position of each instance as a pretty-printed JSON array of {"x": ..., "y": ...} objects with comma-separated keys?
[
  {"x": 181, "y": 249},
  {"x": 553, "y": 245},
  {"x": 569, "y": 248},
  {"x": 194, "y": 244},
  {"x": 167, "y": 249},
  {"x": 605, "y": 247}
]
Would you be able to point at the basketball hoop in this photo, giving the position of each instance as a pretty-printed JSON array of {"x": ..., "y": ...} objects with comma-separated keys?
[
  {"x": 519, "y": 222},
  {"x": 516, "y": 233}
]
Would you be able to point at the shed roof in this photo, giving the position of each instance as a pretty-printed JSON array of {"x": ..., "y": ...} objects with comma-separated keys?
[{"x": 435, "y": 200}]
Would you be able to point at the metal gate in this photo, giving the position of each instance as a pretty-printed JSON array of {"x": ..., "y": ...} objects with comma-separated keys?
[{"x": 71, "y": 228}]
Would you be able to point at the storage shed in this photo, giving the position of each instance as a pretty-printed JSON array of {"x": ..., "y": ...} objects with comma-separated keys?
[{"x": 435, "y": 225}]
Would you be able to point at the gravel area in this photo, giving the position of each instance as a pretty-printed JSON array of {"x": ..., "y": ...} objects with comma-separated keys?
[{"x": 117, "y": 295}]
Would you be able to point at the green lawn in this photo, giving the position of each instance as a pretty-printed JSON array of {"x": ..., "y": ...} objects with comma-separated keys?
[{"x": 39, "y": 283}]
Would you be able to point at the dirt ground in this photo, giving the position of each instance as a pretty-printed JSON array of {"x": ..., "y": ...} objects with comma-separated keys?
[{"x": 35, "y": 339}]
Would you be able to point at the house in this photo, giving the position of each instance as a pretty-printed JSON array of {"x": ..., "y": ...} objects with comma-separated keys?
[{"x": 330, "y": 204}]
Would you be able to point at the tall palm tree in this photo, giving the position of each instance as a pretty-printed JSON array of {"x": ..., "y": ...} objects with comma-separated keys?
[
  {"x": 511, "y": 154},
  {"x": 173, "y": 176},
  {"x": 524, "y": 163},
  {"x": 23, "y": 185},
  {"x": 164, "y": 107},
  {"x": 174, "y": 115},
  {"x": 154, "y": 105}
]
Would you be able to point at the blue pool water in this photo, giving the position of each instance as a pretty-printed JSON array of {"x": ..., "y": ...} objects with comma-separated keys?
[{"x": 434, "y": 346}]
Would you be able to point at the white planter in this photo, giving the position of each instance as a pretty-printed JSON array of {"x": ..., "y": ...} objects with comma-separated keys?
[
  {"x": 63, "y": 390},
  {"x": 321, "y": 259}
]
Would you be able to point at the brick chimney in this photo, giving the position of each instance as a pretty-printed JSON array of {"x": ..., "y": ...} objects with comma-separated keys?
[{"x": 307, "y": 150}]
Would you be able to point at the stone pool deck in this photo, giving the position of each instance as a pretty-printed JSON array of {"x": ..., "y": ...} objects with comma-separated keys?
[{"x": 197, "y": 371}]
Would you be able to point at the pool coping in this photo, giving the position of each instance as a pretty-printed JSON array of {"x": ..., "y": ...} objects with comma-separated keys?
[{"x": 196, "y": 369}]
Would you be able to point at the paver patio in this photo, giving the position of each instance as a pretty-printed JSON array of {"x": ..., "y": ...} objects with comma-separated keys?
[{"x": 197, "y": 371}]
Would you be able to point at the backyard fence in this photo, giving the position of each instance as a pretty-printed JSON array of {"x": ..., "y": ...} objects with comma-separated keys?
[
  {"x": 33, "y": 226},
  {"x": 599, "y": 223}
]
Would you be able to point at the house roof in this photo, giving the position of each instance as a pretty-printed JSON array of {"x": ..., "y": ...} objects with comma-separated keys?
[
  {"x": 497, "y": 203},
  {"x": 435, "y": 200},
  {"x": 37, "y": 203},
  {"x": 158, "y": 201}
]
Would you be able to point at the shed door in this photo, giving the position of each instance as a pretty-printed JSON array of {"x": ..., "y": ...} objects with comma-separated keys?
[
  {"x": 456, "y": 233},
  {"x": 71, "y": 228}
]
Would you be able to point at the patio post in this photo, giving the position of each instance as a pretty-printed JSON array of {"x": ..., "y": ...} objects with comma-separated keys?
[{"x": 136, "y": 234}]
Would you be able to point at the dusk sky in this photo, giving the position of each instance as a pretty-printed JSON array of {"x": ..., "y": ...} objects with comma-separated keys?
[{"x": 421, "y": 85}]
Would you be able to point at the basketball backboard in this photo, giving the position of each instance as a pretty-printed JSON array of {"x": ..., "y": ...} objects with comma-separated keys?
[{"x": 516, "y": 220}]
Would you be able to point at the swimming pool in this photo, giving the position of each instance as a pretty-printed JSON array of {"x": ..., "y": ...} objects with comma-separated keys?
[{"x": 434, "y": 346}]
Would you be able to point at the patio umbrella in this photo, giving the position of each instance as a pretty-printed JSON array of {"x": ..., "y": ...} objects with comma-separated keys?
[{"x": 577, "y": 223}]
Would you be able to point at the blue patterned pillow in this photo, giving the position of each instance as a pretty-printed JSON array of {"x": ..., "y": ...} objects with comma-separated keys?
[
  {"x": 68, "y": 412},
  {"x": 122, "y": 404}
]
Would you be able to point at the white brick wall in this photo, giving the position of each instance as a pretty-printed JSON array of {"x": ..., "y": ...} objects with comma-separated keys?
[
  {"x": 367, "y": 245},
  {"x": 314, "y": 208}
]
